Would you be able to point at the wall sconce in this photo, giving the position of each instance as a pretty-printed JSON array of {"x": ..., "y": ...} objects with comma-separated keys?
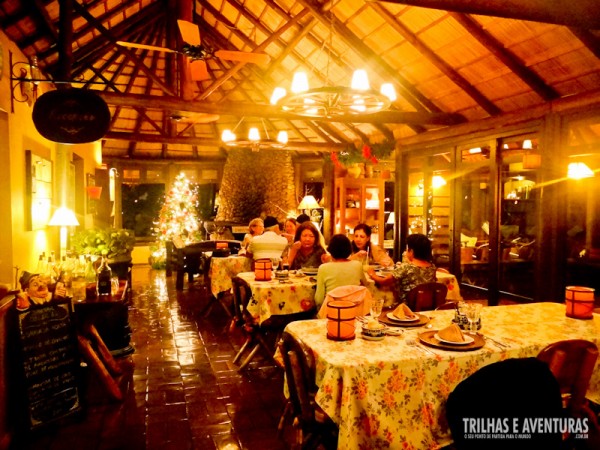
[
  {"x": 579, "y": 170},
  {"x": 94, "y": 192},
  {"x": 24, "y": 80}
]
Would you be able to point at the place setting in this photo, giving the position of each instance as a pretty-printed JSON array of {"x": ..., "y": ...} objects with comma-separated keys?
[
  {"x": 453, "y": 337},
  {"x": 372, "y": 328},
  {"x": 403, "y": 316}
]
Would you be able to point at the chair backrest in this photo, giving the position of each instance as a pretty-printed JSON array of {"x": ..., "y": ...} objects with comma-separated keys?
[
  {"x": 572, "y": 363},
  {"x": 426, "y": 296},
  {"x": 299, "y": 366},
  {"x": 513, "y": 389},
  {"x": 447, "y": 305}
]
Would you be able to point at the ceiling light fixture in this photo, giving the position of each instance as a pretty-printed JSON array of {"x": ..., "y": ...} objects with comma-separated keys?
[
  {"x": 333, "y": 101},
  {"x": 254, "y": 140}
]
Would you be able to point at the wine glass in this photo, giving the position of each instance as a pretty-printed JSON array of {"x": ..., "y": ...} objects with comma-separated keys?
[
  {"x": 376, "y": 308},
  {"x": 473, "y": 313}
]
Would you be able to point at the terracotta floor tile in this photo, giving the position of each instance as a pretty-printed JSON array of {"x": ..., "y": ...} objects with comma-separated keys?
[{"x": 184, "y": 392}]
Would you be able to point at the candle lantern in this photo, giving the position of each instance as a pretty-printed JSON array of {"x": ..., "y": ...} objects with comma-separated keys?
[
  {"x": 579, "y": 301},
  {"x": 340, "y": 320},
  {"x": 222, "y": 245},
  {"x": 263, "y": 269}
]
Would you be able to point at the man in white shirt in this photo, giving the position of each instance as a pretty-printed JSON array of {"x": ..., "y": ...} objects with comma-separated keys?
[{"x": 269, "y": 244}]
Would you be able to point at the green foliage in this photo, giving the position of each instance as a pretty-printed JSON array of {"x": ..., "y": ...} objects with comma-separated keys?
[
  {"x": 109, "y": 242},
  {"x": 367, "y": 153}
]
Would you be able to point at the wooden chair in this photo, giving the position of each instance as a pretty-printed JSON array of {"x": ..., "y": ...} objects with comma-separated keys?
[
  {"x": 256, "y": 334},
  {"x": 426, "y": 296},
  {"x": 572, "y": 362},
  {"x": 447, "y": 305},
  {"x": 314, "y": 428}
]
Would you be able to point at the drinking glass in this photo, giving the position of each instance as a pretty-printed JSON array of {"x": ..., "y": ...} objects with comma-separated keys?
[
  {"x": 376, "y": 308},
  {"x": 473, "y": 313}
]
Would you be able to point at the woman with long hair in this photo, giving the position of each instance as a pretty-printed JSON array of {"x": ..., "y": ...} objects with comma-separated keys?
[
  {"x": 364, "y": 250},
  {"x": 306, "y": 251}
]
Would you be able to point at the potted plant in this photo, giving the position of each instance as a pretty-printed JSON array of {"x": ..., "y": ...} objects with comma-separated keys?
[{"x": 115, "y": 244}]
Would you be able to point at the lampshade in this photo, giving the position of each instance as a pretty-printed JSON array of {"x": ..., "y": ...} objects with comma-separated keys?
[
  {"x": 308, "y": 202},
  {"x": 63, "y": 217},
  {"x": 391, "y": 220},
  {"x": 579, "y": 301},
  {"x": 94, "y": 192}
]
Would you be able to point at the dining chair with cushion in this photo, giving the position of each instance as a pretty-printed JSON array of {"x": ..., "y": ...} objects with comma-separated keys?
[
  {"x": 572, "y": 362},
  {"x": 501, "y": 393},
  {"x": 447, "y": 305},
  {"x": 426, "y": 296},
  {"x": 313, "y": 427}
]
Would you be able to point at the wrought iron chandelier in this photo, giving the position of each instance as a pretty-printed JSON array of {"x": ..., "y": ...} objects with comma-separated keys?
[{"x": 254, "y": 140}]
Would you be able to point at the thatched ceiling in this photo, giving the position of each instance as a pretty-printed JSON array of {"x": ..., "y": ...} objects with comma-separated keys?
[{"x": 450, "y": 66}]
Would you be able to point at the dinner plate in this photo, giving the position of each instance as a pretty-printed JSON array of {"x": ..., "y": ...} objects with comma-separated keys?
[
  {"x": 312, "y": 271},
  {"x": 468, "y": 340},
  {"x": 391, "y": 316},
  {"x": 371, "y": 338}
]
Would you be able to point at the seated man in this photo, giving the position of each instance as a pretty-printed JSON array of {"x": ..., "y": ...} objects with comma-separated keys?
[{"x": 270, "y": 244}]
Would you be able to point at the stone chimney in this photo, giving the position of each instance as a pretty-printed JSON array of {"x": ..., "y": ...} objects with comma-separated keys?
[{"x": 256, "y": 184}]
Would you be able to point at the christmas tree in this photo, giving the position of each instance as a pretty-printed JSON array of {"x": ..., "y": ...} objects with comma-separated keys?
[{"x": 178, "y": 217}]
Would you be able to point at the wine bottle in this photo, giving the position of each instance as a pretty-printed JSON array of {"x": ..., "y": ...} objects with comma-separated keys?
[{"x": 103, "y": 285}]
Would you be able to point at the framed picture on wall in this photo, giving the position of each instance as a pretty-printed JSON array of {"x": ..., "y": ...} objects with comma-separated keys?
[{"x": 38, "y": 191}]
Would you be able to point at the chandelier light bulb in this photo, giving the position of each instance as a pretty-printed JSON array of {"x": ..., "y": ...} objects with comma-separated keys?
[
  {"x": 388, "y": 90},
  {"x": 253, "y": 134},
  {"x": 299, "y": 83},
  {"x": 360, "y": 80},
  {"x": 227, "y": 136},
  {"x": 282, "y": 137},
  {"x": 527, "y": 144},
  {"x": 278, "y": 93}
]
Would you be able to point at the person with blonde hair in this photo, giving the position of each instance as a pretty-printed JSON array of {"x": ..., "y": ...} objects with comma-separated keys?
[{"x": 256, "y": 227}]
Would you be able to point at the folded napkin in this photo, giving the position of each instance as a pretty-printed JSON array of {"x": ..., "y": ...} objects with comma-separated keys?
[
  {"x": 403, "y": 312},
  {"x": 452, "y": 334}
]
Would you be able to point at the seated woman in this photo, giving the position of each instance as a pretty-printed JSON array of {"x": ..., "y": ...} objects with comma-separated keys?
[
  {"x": 340, "y": 271},
  {"x": 255, "y": 228},
  {"x": 362, "y": 247},
  {"x": 289, "y": 229},
  {"x": 306, "y": 251},
  {"x": 416, "y": 270}
]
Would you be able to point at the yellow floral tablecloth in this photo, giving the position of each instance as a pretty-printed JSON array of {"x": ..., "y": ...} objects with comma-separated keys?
[
  {"x": 269, "y": 298},
  {"x": 222, "y": 270},
  {"x": 388, "y": 292},
  {"x": 389, "y": 394}
]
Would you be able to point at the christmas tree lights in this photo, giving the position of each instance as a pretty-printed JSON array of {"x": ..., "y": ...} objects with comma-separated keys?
[{"x": 178, "y": 217}]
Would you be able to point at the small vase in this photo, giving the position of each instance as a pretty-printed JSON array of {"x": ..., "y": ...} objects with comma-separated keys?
[
  {"x": 368, "y": 171},
  {"x": 354, "y": 170}
]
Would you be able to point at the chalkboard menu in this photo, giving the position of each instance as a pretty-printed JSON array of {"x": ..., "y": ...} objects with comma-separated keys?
[{"x": 50, "y": 362}]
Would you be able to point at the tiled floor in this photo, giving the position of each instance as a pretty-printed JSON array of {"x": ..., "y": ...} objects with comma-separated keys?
[{"x": 183, "y": 390}]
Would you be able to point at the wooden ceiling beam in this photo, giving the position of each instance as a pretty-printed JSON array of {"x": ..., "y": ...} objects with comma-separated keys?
[
  {"x": 580, "y": 13},
  {"x": 508, "y": 58},
  {"x": 129, "y": 54},
  {"x": 204, "y": 142},
  {"x": 410, "y": 93},
  {"x": 589, "y": 39},
  {"x": 250, "y": 109},
  {"x": 485, "y": 103},
  {"x": 273, "y": 37}
]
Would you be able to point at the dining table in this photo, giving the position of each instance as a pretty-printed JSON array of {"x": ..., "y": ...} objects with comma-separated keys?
[
  {"x": 392, "y": 393},
  {"x": 388, "y": 293},
  {"x": 294, "y": 294},
  {"x": 222, "y": 270}
]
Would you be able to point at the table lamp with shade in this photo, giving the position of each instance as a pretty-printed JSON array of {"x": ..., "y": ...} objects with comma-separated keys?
[{"x": 63, "y": 217}]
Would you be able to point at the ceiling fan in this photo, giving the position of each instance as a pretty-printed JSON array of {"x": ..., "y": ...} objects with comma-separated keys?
[{"x": 198, "y": 53}]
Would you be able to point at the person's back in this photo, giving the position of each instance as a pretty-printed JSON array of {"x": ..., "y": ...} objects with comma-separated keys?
[
  {"x": 339, "y": 272},
  {"x": 269, "y": 244}
]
